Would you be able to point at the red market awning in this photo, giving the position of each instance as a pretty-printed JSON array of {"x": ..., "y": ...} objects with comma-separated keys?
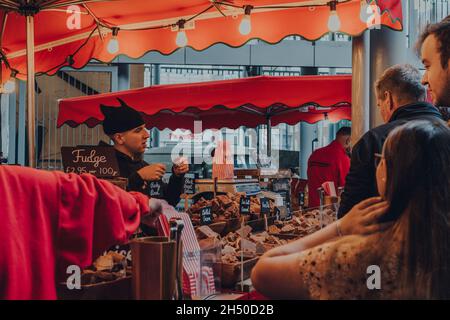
[
  {"x": 223, "y": 104},
  {"x": 63, "y": 38}
]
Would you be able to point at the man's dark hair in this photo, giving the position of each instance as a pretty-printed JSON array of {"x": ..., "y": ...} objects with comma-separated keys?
[
  {"x": 441, "y": 31},
  {"x": 344, "y": 131}
]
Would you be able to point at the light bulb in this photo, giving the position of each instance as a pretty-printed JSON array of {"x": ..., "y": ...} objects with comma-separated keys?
[
  {"x": 181, "y": 39},
  {"x": 366, "y": 12},
  {"x": 9, "y": 86},
  {"x": 245, "y": 27},
  {"x": 113, "y": 45},
  {"x": 334, "y": 23}
]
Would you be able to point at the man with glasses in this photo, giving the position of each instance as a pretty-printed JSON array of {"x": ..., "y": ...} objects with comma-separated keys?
[{"x": 401, "y": 97}]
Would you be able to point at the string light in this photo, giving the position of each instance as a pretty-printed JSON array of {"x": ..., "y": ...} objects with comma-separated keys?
[
  {"x": 113, "y": 44},
  {"x": 181, "y": 39},
  {"x": 245, "y": 27},
  {"x": 334, "y": 23}
]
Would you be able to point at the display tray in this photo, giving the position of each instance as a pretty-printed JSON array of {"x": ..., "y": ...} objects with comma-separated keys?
[
  {"x": 229, "y": 181},
  {"x": 119, "y": 289},
  {"x": 234, "y": 224},
  {"x": 259, "y": 224},
  {"x": 231, "y": 272},
  {"x": 248, "y": 186},
  {"x": 286, "y": 236}
]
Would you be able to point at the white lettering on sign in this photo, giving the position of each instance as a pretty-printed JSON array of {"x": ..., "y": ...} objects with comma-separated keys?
[
  {"x": 91, "y": 158},
  {"x": 155, "y": 188},
  {"x": 206, "y": 215},
  {"x": 189, "y": 185}
]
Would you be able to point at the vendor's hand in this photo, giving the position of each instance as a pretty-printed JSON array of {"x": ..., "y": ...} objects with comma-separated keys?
[
  {"x": 151, "y": 219},
  {"x": 155, "y": 206},
  {"x": 180, "y": 166},
  {"x": 363, "y": 217},
  {"x": 153, "y": 172}
]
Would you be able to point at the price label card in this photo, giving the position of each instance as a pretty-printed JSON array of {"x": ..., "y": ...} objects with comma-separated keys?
[
  {"x": 301, "y": 199},
  {"x": 265, "y": 206},
  {"x": 244, "y": 205},
  {"x": 98, "y": 161},
  {"x": 189, "y": 184},
  {"x": 206, "y": 215},
  {"x": 288, "y": 214},
  {"x": 155, "y": 188},
  {"x": 277, "y": 213},
  {"x": 280, "y": 185}
]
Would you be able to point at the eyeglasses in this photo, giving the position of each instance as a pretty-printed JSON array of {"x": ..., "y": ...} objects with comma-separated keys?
[{"x": 378, "y": 158}]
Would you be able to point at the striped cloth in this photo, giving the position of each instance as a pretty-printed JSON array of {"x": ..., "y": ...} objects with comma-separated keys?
[
  {"x": 197, "y": 280},
  {"x": 223, "y": 161}
]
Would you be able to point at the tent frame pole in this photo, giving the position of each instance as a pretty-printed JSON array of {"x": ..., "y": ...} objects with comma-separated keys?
[
  {"x": 269, "y": 137},
  {"x": 31, "y": 112}
]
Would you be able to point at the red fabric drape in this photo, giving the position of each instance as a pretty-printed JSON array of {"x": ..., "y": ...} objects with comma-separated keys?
[
  {"x": 55, "y": 41},
  {"x": 219, "y": 104}
]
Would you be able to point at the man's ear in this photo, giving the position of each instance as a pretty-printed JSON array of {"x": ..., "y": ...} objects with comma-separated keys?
[
  {"x": 390, "y": 98},
  {"x": 118, "y": 138}
]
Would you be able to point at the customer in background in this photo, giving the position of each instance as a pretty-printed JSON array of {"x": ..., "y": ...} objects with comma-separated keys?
[
  {"x": 434, "y": 48},
  {"x": 400, "y": 98},
  {"x": 411, "y": 247},
  {"x": 330, "y": 163}
]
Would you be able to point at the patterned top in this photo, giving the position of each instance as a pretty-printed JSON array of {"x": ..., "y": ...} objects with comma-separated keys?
[{"x": 339, "y": 269}]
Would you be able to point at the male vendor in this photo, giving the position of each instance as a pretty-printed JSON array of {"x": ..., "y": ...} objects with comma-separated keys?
[{"x": 126, "y": 128}]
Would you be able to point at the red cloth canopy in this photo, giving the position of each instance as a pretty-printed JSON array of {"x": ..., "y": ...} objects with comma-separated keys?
[
  {"x": 218, "y": 104},
  {"x": 57, "y": 34}
]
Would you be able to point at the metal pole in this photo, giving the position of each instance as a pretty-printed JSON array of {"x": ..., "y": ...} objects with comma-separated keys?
[
  {"x": 30, "y": 91},
  {"x": 269, "y": 137},
  {"x": 360, "y": 86},
  {"x": 373, "y": 52},
  {"x": 258, "y": 147}
]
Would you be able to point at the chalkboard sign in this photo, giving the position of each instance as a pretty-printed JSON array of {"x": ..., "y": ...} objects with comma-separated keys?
[
  {"x": 189, "y": 184},
  {"x": 206, "y": 215},
  {"x": 288, "y": 205},
  {"x": 287, "y": 214},
  {"x": 155, "y": 188},
  {"x": 98, "y": 161},
  {"x": 280, "y": 185},
  {"x": 244, "y": 205},
  {"x": 277, "y": 213},
  {"x": 265, "y": 206},
  {"x": 301, "y": 199}
]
